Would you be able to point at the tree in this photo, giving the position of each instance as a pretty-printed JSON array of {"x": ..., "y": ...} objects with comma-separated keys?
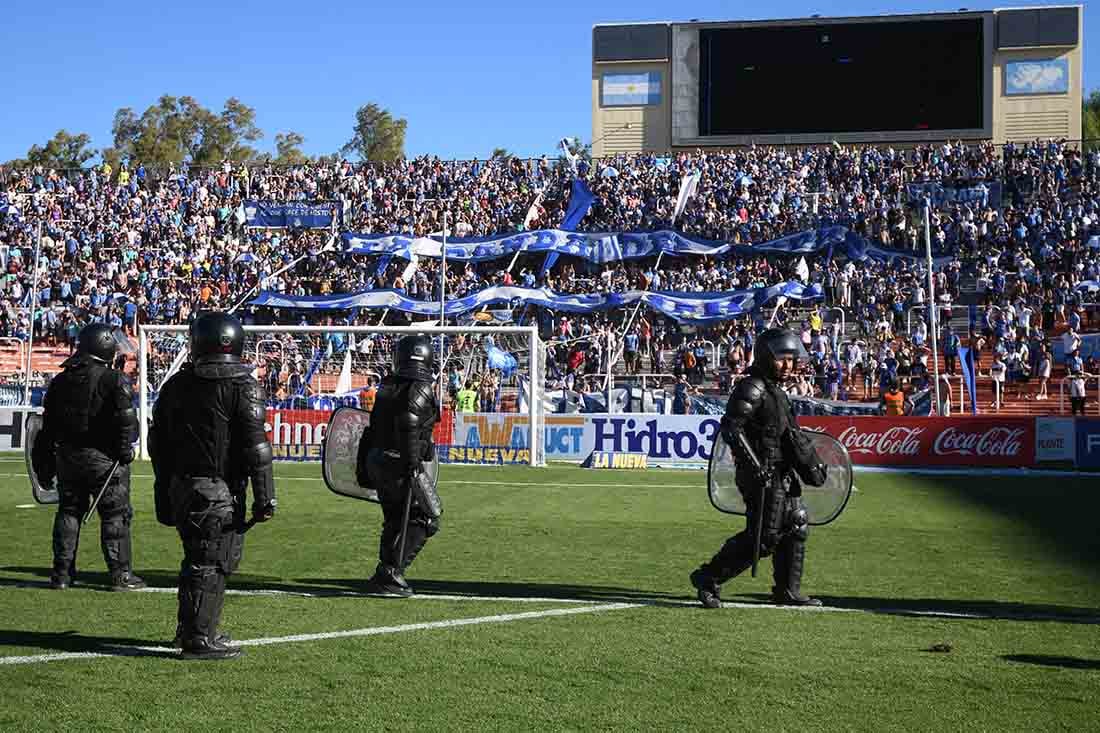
[
  {"x": 288, "y": 149},
  {"x": 62, "y": 151},
  {"x": 1090, "y": 121},
  {"x": 377, "y": 136},
  {"x": 179, "y": 129},
  {"x": 501, "y": 153}
]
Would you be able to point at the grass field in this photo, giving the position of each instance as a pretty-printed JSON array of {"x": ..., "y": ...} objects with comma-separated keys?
[{"x": 577, "y": 615}]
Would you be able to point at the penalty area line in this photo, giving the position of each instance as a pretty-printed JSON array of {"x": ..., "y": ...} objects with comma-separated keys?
[{"x": 138, "y": 651}]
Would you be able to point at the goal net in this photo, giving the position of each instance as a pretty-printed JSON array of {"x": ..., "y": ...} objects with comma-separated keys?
[{"x": 309, "y": 371}]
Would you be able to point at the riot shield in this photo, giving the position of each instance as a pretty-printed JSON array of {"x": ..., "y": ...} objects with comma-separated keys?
[
  {"x": 341, "y": 448},
  {"x": 339, "y": 452},
  {"x": 42, "y": 494},
  {"x": 823, "y": 503}
]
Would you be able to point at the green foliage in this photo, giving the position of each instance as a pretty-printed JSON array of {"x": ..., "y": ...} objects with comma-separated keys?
[
  {"x": 288, "y": 149},
  {"x": 1090, "y": 120},
  {"x": 62, "y": 151},
  {"x": 179, "y": 129},
  {"x": 501, "y": 154},
  {"x": 377, "y": 136}
]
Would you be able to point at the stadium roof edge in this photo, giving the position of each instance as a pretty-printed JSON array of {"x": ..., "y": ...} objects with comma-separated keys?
[{"x": 841, "y": 18}]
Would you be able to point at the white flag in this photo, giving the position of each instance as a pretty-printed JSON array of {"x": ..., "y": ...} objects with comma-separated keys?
[
  {"x": 803, "y": 270},
  {"x": 565, "y": 143},
  {"x": 775, "y": 313},
  {"x": 533, "y": 212},
  {"x": 687, "y": 190},
  {"x": 343, "y": 384},
  {"x": 414, "y": 262}
]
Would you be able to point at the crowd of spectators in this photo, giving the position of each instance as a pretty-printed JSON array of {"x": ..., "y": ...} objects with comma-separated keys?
[{"x": 131, "y": 246}]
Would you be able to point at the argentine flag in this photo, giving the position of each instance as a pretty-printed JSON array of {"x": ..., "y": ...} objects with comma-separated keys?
[{"x": 622, "y": 90}]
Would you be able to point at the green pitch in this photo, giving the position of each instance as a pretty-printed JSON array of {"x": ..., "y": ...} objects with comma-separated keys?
[{"x": 574, "y": 613}]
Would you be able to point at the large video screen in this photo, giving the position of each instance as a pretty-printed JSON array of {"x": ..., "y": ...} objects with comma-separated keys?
[{"x": 852, "y": 77}]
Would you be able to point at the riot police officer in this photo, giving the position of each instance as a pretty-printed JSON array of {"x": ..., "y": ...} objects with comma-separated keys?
[
  {"x": 86, "y": 441},
  {"x": 773, "y": 458},
  {"x": 391, "y": 458},
  {"x": 207, "y": 442}
]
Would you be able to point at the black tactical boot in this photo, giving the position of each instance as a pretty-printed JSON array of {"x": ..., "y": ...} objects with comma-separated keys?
[
  {"x": 706, "y": 589},
  {"x": 388, "y": 582},
  {"x": 126, "y": 580},
  {"x": 60, "y": 582},
  {"x": 201, "y": 647},
  {"x": 789, "y": 558},
  {"x": 177, "y": 642}
]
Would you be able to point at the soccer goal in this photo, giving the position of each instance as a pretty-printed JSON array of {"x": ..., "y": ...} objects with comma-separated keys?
[{"x": 490, "y": 379}]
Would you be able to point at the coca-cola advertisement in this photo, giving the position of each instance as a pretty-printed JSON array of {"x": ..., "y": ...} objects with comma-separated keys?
[{"x": 932, "y": 441}]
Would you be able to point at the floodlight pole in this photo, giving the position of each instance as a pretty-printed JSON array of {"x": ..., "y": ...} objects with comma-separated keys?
[
  {"x": 932, "y": 299},
  {"x": 30, "y": 326}
]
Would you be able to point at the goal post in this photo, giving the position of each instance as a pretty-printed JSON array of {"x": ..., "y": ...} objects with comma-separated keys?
[{"x": 315, "y": 369}]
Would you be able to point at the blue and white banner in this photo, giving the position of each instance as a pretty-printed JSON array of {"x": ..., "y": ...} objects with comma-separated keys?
[
  {"x": 982, "y": 194},
  {"x": 292, "y": 215},
  {"x": 630, "y": 90},
  {"x": 606, "y": 247},
  {"x": 687, "y": 308}
]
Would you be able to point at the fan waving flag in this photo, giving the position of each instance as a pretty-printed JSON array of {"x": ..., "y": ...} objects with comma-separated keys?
[{"x": 687, "y": 190}]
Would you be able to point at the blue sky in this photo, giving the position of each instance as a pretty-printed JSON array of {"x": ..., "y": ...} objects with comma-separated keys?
[{"x": 468, "y": 76}]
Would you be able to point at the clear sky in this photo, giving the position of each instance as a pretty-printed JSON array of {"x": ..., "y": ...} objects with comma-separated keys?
[{"x": 468, "y": 76}]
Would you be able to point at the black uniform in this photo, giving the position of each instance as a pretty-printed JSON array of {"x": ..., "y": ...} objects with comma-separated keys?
[
  {"x": 400, "y": 441},
  {"x": 89, "y": 423},
  {"x": 759, "y": 419},
  {"x": 207, "y": 441}
]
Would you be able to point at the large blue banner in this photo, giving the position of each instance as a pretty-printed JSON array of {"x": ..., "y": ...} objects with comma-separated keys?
[
  {"x": 290, "y": 216},
  {"x": 983, "y": 194},
  {"x": 687, "y": 308},
  {"x": 608, "y": 247}
]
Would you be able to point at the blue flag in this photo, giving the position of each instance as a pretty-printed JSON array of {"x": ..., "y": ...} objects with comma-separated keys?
[
  {"x": 580, "y": 201},
  {"x": 966, "y": 359},
  {"x": 500, "y": 359}
]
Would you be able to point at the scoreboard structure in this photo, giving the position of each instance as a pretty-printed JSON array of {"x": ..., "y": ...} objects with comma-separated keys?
[{"x": 1000, "y": 75}]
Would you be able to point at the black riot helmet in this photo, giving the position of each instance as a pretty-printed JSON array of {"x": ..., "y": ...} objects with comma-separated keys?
[
  {"x": 216, "y": 337},
  {"x": 776, "y": 343},
  {"x": 97, "y": 340},
  {"x": 413, "y": 358}
]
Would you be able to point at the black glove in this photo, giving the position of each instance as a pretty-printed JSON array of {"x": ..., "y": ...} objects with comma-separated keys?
[
  {"x": 263, "y": 512},
  {"x": 803, "y": 456},
  {"x": 126, "y": 456}
]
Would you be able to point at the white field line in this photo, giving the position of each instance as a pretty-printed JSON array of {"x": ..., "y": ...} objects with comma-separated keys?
[{"x": 297, "y": 638}]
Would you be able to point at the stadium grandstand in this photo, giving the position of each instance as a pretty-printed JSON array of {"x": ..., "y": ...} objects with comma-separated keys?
[{"x": 827, "y": 236}]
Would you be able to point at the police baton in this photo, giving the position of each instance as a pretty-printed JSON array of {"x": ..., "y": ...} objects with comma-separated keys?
[
  {"x": 764, "y": 476},
  {"x": 99, "y": 496},
  {"x": 405, "y": 523}
]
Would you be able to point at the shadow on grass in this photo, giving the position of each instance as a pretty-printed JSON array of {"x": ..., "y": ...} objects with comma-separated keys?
[
  {"x": 1063, "y": 510},
  {"x": 102, "y": 580},
  {"x": 960, "y": 609},
  {"x": 506, "y": 590},
  {"x": 71, "y": 641},
  {"x": 1046, "y": 660}
]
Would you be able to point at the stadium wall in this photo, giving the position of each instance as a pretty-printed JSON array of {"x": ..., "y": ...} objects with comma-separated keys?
[{"x": 684, "y": 440}]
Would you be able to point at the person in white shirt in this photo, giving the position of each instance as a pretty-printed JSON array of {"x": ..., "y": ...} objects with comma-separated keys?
[
  {"x": 1071, "y": 342},
  {"x": 997, "y": 373},
  {"x": 1077, "y": 393},
  {"x": 1044, "y": 375}
]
